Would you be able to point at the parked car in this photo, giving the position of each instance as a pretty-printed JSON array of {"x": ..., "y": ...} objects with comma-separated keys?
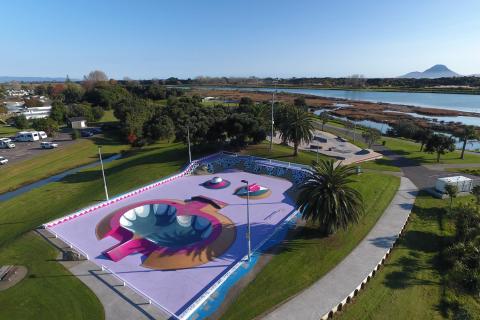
[
  {"x": 6, "y": 143},
  {"x": 42, "y": 135},
  {"x": 3, "y": 160},
  {"x": 48, "y": 145},
  {"x": 96, "y": 130},
  {"x": 86, "y": 133}
]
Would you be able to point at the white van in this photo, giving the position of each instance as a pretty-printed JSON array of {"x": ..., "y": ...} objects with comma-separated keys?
[
  {"x": 26, "y": 136},
  {"x": 6, "y": 143}
]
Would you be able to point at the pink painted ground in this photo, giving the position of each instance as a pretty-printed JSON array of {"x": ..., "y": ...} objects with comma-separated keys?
[{"x": 176, "y": 290}]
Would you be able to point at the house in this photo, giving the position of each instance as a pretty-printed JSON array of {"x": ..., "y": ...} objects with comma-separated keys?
[{"x": 78, "y": 122}]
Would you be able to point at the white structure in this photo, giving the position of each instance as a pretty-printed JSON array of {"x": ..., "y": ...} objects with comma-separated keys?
[
  {"x": 27, "y": 136},
  {"x": 78, "y": 122},
  {"x": 463, "y": 184}
]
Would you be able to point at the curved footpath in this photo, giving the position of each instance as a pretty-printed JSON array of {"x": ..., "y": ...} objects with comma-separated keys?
[{"x": 335, "y": 287}]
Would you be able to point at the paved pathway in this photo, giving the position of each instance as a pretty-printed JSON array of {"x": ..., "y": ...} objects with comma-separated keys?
[{"x": 339, "y": 283}]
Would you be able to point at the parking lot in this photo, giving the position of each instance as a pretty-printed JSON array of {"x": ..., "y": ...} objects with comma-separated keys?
[{"x": 27, "y": 150}]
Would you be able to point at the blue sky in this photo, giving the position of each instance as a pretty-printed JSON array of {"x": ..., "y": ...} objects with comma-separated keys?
[{"x": 144, "y": 39}]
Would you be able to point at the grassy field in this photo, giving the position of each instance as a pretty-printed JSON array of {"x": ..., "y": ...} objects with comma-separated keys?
[
  {"x": 411, "y": 149},
  {"x": 411, "y": 284},
  {"x": 49, "y": 291},
  {"x": 54, "y": 161},
  {"x": 472, "y": 171},
  {"x": 307, "y": 257},
  {"x": 108, "y": 116},
  {"x": 6, "y": 131}
]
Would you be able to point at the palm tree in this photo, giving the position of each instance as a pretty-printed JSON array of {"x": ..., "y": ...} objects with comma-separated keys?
[
  {"x": 298, "y": 127},
  {"x": 327, "y": 198},
  {"x": 467, "y": 133},
  {"x": 324, "y": 117}
]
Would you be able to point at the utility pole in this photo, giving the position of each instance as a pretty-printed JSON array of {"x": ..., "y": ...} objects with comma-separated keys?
[
  {"x": 189, "y": 150},
  {"x": 103, "y": 171},
  {"x": 272, "y": 121},
  {"x": 248, "y": 221}
]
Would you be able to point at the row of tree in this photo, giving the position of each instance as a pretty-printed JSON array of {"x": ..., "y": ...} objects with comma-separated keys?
[{"x": 431, "y": 141}]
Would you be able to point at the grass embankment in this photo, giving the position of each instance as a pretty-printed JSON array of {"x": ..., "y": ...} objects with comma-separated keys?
[
  {"x": 51, "y": 162},
  {"x": 282, "y": 153},
  {"x": 307, "y": 257},
  {"x": 472, "y": 171},
  {"x": 411, "y": 284},
  {"x": 108, "y": 116},
  {"x": 411, "y": 150},
  {"x": 6, "y": 131}
]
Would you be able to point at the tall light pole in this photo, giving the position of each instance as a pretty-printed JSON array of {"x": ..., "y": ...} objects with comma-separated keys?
[
  {"x": 103, "y": 171},
  {"x": 273, "y": 103},
  {"x": 188, "y": 141},
  {"x": 248, "y": 220}
]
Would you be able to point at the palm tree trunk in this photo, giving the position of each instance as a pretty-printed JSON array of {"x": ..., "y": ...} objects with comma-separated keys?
[
  {"x": 463, "y": 148},
  {"x": 438, "y": 157},
  {"x": 295, "y": 149}
]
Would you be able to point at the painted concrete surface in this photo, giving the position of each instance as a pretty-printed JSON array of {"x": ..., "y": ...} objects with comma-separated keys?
[
  {"x": 339, "y": 283},
  {"x": 176, "y": 290}
]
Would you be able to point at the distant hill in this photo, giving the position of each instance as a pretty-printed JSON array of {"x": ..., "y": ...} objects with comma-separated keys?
[
  {"x": 437, "y": 71},
  {"x": 31, "y": 79}
]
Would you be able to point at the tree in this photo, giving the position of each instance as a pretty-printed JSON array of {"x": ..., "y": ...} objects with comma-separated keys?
[
  {"x": 81, "y": 110},
  {"x": 324, "y": 117},
  {"x": 300, "y": 103},
  {"x": 327, "y": 198},
  {"x": 97, "y": 113},
  {"x": 299, "y": 129},
  {"x": 159, "y": 127},
  {"x": 3, "y": 109},
  {"x": 73, "y": 93},
  {"x": 439, "y": 144},
  {"x": 422, "y": 136},
  {"x": 48, "y": 125},
  {"x": 20, "y": 122},
  {"x": 58, "y": 112},
  {"x": 476, "y": 192},
  {"x": 242, "y": 127},
  {"x": 371, "y": 136},
  {"x": 33, "y": 103},
  {"x": 465, "y": 134},
  {"x": 452, "y": 191},
  {"x": 96, "y": 76}
]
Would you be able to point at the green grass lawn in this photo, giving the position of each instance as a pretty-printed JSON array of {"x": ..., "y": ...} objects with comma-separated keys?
[
  {"x": 108, "y": 117},
  {"x": 411, "y": 284},
  {"x": 282, "y": 153},
  {"x": 54, "y": 161},
  {"x": 49, "y": 291},
  {"x": 410, "y": 149},
  {"x": 307, "y": 257},
  {"x": 472, "y": 171},
  {"x": 6, "y": 131}
]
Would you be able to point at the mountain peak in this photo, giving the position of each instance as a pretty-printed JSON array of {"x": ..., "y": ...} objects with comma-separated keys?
[{"x": 437, "y": 71}]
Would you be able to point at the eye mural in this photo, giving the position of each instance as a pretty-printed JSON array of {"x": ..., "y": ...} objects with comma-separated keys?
[{"x": 171, "y": 234}]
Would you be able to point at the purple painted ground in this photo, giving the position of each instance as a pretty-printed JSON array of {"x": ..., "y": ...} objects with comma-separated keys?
[{"x": 176, "y": 290}]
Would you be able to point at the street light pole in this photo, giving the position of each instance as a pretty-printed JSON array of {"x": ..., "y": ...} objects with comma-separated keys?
[
  {"x": 272, "y": 121},
  {"x": 189, "y": 150},
  {"x": 103, "y": 171},
  {"x": 248, "y": 221}
]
